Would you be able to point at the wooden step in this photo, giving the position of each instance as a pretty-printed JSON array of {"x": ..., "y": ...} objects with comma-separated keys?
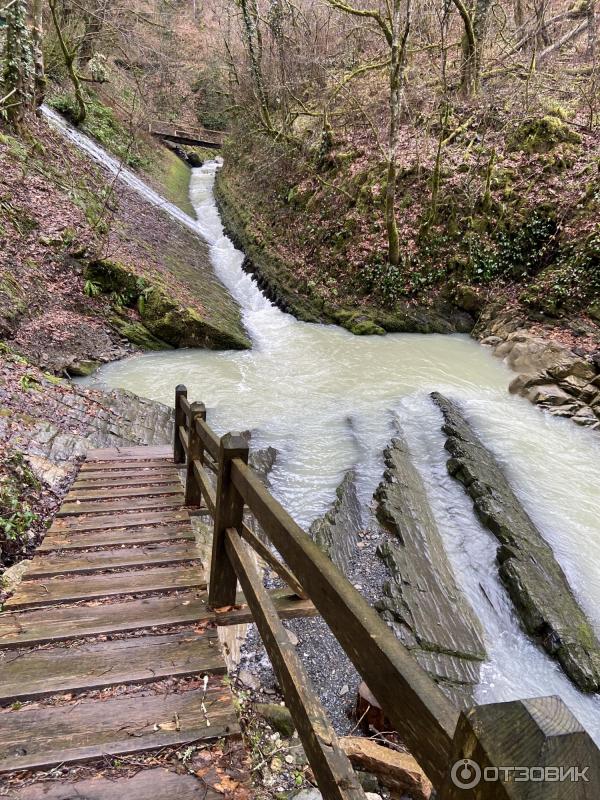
[
  {"x": 106, "y": 521},
  {"x": 137, "y": 452},
  {"x": 112, "y": 584},
  {"x": 148, "y": 784},
  {"x": 126, "y": 479},
  {"x": 109, "y": 492},
  {"x": 120, "y": 506},
  {"x": 45, "y": 737},
  {"x": 117, "y": 536},
  {"x": 40, "y": 626},
  {"x": 31, "y": 674},
  {"x": 88, "y": 562},
  {"x": 24, "y": 628},
  {"x": 109, "y": 466}
]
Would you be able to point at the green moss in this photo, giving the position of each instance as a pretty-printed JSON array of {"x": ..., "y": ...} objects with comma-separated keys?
[
  {"x": 138, "y": 334},
  {"x": 173, "y": 176},
  {"x": 165, "y": 320},
  {"x": 542, "y": 135},
  {"x": 358, "y": 324}
]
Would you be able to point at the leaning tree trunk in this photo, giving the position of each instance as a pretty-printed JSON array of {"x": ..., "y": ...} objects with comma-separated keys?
[
  {"x": 69, "y": 57},
  {"x": 18, "y": 71}
]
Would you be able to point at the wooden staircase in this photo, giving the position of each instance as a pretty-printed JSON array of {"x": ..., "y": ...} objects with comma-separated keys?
[{"x": 116, "y": 597}]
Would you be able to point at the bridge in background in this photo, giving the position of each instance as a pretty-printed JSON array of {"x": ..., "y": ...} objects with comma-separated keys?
[
  {"x": 195, "y": 137},
  {"x": 124, "y": 536}
]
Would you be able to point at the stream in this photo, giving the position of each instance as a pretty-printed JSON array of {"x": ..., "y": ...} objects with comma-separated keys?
[{"x": 329, "y": 401}]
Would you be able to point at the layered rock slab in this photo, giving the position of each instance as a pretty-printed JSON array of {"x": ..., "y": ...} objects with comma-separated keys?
[
  {"x": 422, "y": 600},
  {"x": 528, "y": 568}
]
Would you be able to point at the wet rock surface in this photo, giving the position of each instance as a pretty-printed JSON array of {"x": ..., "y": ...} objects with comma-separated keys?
[
  {"x": 534, "y": 579},
  {"x": 562, "y": 380},
  {"x": 337, "y": 532},
  {"x": 422, "y": 601}
]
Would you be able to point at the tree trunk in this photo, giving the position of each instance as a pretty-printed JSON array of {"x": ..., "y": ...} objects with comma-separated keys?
[
  {"x": 254, "y": 45},
  {"x": 591, "y": 22},
  {"x": 69, "y": 57},
  {"x": 18, "y": 72},
  {"x": 397, "y": 68},
  {"x": 37, "y": 35}
]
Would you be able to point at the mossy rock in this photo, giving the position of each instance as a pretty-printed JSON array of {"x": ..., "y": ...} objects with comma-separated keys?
[
  {"x": 358, "y": 324},
  {"x": 542, "y": 135},
  {"x": 112, "y": 276},
  {"x": 138, "y": 334}
]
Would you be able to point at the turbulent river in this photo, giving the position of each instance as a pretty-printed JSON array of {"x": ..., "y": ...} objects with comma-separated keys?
[{"x": 328, "y": 401}]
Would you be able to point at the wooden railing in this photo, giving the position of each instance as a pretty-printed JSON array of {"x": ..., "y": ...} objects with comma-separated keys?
[{"x": 502, "y": 741}]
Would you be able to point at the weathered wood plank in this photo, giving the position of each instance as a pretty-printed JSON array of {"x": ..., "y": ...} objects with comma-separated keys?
[
  {"x": 129, "y": 504},
  {"x": 133, "y": 474},
  {"x": 152, "y": 555},
  {"x": 40, "y": 626},
  {"x": 91, "y": 587},
  {"x": 106, "y": 521},
  {"x": 418, "y": 709},
  {"x": 43, "y": 625},
  {"x": 67, "y": 734},
  {"x": 102, "y": 480},
  {"x": 158, "y": 784},
  {"x": 229, "y": 513},
  {"x": 123, "y": 466},
  {"x": 41, "y": 673},
  {"x": 116, "y": 536},
  {"x": 332, "y": 769},
  {"x": 130, "y": 453},
  {"x": 108, "y": 492}
]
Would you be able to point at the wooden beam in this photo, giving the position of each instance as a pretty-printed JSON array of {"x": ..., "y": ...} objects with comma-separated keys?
[
  {"x": 537, "y": 734},
  {"x": 424, "y": 717},
  {"x": 193, "y": 493},
  {"x": 335, "y": 777},
  {"x": 178, "y": 451},
  {"x": 229, "y": 513},
  {"x": 209, "y": 438},
  {"x": 210, "y": 498},
  {"x": 263, "y": 551}
]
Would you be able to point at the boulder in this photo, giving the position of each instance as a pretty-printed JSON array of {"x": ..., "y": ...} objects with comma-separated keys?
[
  {"x": 422, "y": 600},
  {"x": 548, "y": 395},
  {"x": 527, "y": 566}
]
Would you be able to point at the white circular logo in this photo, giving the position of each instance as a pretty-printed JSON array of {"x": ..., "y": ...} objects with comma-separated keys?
[{"x": 465, "y": 773}]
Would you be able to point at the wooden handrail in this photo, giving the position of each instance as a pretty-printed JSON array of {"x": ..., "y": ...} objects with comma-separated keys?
[
  {"x": 525, "y": 733},
  {"x": 425, "y": 718}
]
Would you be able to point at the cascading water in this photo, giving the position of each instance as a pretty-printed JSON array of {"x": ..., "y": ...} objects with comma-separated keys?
[{"x": 329, "y": 401}]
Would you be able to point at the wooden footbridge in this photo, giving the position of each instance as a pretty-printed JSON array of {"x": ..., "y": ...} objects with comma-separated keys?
[
  {"x": 194, "y": 137},
  {"x": 116, "y": 598}
]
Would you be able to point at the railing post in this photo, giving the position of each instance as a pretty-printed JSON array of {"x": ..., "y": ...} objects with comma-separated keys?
[
  {"x": 523, "y": 750},
  {"x": 229, "y": 513},
  {"x": 193, "y": 494},
  {"x": 178, "y": 451}
]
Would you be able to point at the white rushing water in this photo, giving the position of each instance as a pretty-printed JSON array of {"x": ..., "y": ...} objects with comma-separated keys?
[{"x": 329, "y": 401}]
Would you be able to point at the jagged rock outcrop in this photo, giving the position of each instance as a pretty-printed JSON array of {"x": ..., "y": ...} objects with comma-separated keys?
[
  {"x": 528, "y": 568},
  {"x": 550, "y": 375},
  {"x": 422, "y": 601},
  {"x": 337, "y": 532}
]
